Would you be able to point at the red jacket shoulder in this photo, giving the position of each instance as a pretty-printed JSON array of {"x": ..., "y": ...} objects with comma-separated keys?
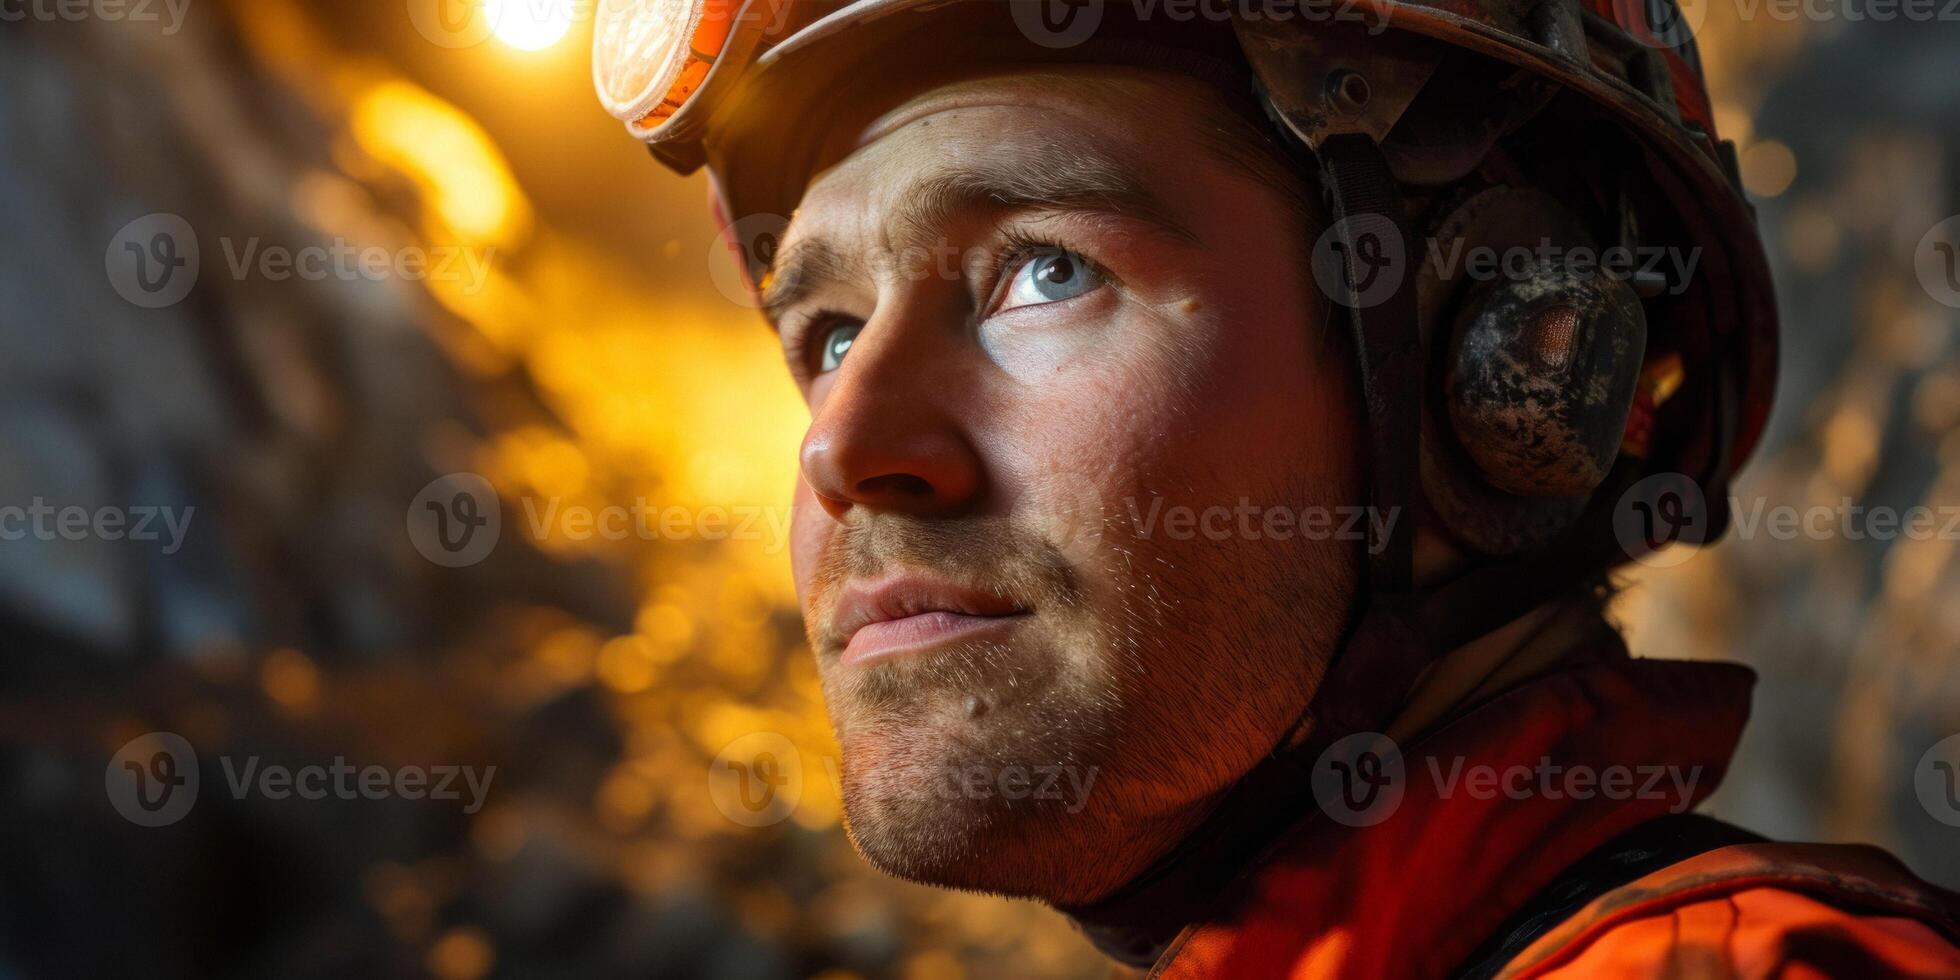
[{"x": 1760, "y": 910}]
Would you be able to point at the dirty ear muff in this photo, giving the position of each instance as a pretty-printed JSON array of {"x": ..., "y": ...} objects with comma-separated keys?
[
  {"x": 1447, "y": 369},
  {"x": 1535, "y": 350},
  {"x": 1540, "y": 378}
]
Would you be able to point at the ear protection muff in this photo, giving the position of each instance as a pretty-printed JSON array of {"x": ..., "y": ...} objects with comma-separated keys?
[
  {"x": 1528, "y": 375},
  {"x": 1536, "y": 354},
  {"x": 1540, "y": 379}
]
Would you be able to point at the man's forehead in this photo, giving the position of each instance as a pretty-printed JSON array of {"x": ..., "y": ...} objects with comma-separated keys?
[
  {"x": 1087, "y": 91},
  {"x": 1088, "y": 118},
  {"x": 924, "y": 185}
]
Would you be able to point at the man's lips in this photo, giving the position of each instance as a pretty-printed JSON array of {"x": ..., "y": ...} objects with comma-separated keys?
[{"x": 911, "y": 612}]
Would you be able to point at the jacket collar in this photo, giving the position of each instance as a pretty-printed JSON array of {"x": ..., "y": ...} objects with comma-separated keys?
[{"x": 1493, "y": 804}]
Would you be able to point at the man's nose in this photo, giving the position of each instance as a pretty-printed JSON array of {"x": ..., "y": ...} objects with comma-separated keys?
[{"x": 888, "y": 435}]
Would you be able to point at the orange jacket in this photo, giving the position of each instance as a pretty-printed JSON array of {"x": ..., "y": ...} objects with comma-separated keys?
[{"x": 1423, "y": 890}]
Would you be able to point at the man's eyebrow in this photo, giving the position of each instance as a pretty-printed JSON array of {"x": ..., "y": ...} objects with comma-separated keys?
[
  {"x": 797, "y": 271},
  {"x": 1067, "y": 180},
  {"x": 1062, "y": 179}
]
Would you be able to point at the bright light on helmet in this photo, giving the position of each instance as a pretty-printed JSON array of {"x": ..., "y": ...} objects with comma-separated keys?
[{"x": 649, "y": 56}]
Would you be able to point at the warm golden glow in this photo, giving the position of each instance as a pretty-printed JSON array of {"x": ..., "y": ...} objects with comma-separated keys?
[
  {"x": 529, "y": 25},
  {"x": 463, "y": 177}
]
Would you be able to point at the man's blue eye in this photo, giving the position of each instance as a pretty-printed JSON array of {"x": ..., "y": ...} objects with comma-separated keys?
[
  {"x": 836, "y": 344},
  {"x": 1050, "y": 277}
]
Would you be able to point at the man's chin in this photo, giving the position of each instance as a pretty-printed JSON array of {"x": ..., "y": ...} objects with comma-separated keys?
[
  {"x": 986, "y": 801},
  {"x": 973, "y": 767},
  {"x": 983, "y": 826}
]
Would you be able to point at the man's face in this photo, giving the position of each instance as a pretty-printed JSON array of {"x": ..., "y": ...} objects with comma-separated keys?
[{"x": 1066, "y": 367}]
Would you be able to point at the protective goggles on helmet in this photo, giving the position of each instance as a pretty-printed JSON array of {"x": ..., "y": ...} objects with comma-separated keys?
[{"x": 660, "y": 66}]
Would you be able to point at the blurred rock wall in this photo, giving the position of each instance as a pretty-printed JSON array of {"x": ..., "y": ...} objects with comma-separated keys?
[{"x": 1857, "y": 637}]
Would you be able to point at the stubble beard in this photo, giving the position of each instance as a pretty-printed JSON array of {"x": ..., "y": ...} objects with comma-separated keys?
[
  {"x": 971, "y": 767},
  {"x": 1135, "y": 707}
]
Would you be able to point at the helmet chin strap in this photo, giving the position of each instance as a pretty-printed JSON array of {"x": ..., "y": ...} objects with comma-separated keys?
[
  {"x": 1382, "y": 654},
  {"x": 1394, "y": 631}
]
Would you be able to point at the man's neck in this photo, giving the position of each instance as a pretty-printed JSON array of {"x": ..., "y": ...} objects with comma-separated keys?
[
  {"x": 1528, "y": 646},
  {"x": 1142, "y": 917}
]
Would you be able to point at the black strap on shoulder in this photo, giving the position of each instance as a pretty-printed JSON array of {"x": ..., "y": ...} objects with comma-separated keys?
[{"x": 1623, "y": 860}]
